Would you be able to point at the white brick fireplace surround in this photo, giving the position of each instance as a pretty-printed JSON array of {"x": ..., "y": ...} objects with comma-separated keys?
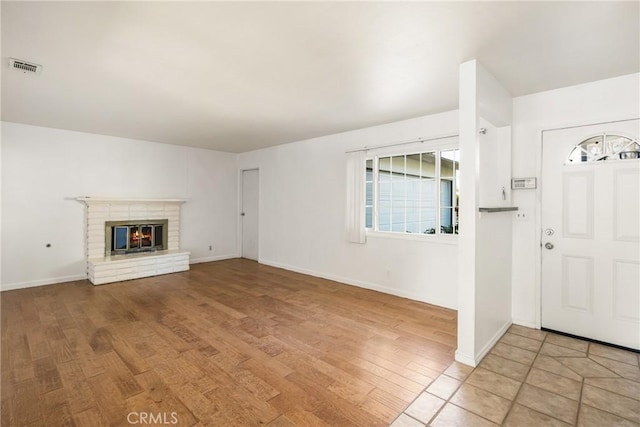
[{"x": 103, "y": 269}]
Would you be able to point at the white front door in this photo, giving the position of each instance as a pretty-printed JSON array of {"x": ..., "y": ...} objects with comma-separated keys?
[
  {"x": 591, "y": 233},
  {"x": 249, "y": 214}
]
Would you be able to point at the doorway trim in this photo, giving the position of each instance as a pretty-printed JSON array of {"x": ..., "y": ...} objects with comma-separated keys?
[
  {"x": 538, "y": 209},
  {"x": 239, "y": 229}
]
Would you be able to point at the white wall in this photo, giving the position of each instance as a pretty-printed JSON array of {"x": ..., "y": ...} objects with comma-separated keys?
[
  {"x": 43, "y": 168},
  {"x": 600, "y": 101},
  {"x": 302, "y": 216},
  {"x": 484, "y": 288},
  {"x": 493, "y": 236}
]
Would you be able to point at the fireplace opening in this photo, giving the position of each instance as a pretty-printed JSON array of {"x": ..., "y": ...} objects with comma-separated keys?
[{"x": 124, "y": 237}]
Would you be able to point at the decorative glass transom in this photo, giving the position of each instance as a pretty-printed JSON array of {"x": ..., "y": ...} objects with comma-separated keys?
[{"x": 605, "y": 147}]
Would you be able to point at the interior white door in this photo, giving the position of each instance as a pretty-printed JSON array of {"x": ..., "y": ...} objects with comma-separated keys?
[
  {"x": 250, "y": 213},
  {"x": 591, "y": 235}
]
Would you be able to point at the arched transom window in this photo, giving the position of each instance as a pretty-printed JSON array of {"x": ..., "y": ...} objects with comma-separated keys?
[{"x": 605, "y": 147}]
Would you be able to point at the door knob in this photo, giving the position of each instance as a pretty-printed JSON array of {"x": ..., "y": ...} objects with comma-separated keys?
[
  {"x": 242, "y": 214},
  {"x": 548, "y": 245}
]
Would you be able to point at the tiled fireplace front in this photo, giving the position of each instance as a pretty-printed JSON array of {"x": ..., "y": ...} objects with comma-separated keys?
[{"x": 104, "y": 267}]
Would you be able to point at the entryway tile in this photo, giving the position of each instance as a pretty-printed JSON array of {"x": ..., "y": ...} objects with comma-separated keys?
[
  {"x": 453, "y": 416},
  {"x": 568, "y": 342},
  {"x": 617, "y": 385},
  {"x": 548, "y": 403},
  {"x": 483, "y": 403},
  {"x": 494, "y": 383},
  {"x": 424, "y": 407},
  {"x": 535, "y": 334},
  {"x": 554, "y": 383},
  {"x": 458, "y": 371},
  {"x": 514, "y": 353},
  {"x": 553, "y": 350},
  {"x": 534, "y": 379},
  {"x": 550, "y": 364},
  {"x": 613, "y": 353},
  {"x": 631, "y": 372},
  {"x": 444, "y": 386},
  {"x": 592, "y": 417},
  {"x": 506, "y": 367},
  {"x": 611, "y": 402},
  {"x": 521, "y": 342},
  {"x": 521, "y": 416},
  {"x": 586, "y": 367},
  {"x": 405, "y": 420}
]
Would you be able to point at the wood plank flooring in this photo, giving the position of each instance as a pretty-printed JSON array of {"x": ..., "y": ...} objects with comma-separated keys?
[{"x": 226, "y": 343}]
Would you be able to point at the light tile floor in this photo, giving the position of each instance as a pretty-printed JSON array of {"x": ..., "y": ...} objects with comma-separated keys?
[{"x": 533, "y": 378}]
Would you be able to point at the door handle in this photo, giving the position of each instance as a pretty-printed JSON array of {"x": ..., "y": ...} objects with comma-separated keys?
[{"x": 548, "y": 245}]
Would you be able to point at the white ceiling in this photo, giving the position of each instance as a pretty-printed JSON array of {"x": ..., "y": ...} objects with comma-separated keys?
[{"x": 237, "y": 76}]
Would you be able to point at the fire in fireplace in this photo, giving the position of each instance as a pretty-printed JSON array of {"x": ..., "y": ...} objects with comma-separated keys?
[{"x": 124, "y": 237}]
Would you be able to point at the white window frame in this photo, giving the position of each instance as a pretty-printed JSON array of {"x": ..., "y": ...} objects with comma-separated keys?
[{"x": 437, "y": 149}]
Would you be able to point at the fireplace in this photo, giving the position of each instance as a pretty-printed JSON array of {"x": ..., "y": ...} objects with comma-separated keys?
[
  {"x": 125, "y": 237},
  {"x": 123, "y": 242}
]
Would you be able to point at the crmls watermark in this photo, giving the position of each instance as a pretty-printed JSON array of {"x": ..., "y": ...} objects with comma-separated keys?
[{"x": 152, "y": 418}]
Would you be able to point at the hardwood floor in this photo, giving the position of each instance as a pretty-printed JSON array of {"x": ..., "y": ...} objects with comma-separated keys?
[{"x": 227, "y": 343}]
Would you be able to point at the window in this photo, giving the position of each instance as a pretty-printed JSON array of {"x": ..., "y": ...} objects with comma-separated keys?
[
  {"x": 413, "y": 193},
  {"x": 604, "y": 147}
]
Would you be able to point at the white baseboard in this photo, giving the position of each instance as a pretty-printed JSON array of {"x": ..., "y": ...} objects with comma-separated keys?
[
  {"x": 465, "y": 359},
  {"x": 41, "y": 282},
  {"x": 494, "y": 339},
  {"x": 470, "y": 360},
  {"x": 212, "y": 258},
  {"x": 55, "y": 280},
  {"x": 362, "y": 284}
]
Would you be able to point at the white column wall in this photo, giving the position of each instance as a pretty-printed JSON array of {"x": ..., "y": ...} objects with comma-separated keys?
[
  {"x": 484, "y": 257},
  {"x": 469, "y": 191}
]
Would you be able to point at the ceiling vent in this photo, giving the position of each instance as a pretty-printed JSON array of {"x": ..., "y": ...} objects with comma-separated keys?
[{"x": 24, "y": 66}]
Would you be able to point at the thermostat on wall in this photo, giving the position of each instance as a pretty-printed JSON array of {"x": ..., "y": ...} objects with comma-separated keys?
[{"x": 523, "y": 183}]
